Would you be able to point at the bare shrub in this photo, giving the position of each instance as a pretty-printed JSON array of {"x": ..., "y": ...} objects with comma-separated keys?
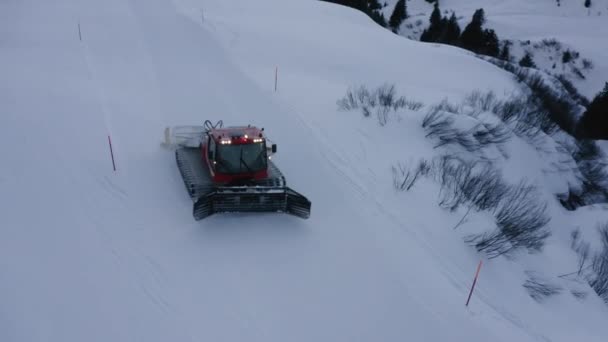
[
  {"x": 556, "y": 108},
  {"x": 580, "y": 295},
  {"x": 593, "y": 267},
  {"x": 587, "y": 64},
  {"x": 471, "y": 182},
  {"x": 540, "y": 288},
  {"x": 571, "y": 89},
  {"x": 404, "y": 178},
  {"x": 435, "y": 122},
  {"x": 576, "y": 71},
  {"x": 552, "y": 43},
  {"x": 482, "y": 101},
  {"x": 599, "y": 282},
  {"x": 413, "y": 105},
  {"x": 582, "y": 249},
  {"x": 354, "y": 98},
  {"x": 592, "y": 165},
  {"x": 440, "y": 125},
  {"x": 521, "y": 223},
  {"x": 487, "y": 134},
  {"x": 381, "y": 101},
  {"x": 447, "y": 106}
]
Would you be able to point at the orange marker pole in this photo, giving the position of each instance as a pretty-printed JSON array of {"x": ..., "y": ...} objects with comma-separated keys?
[{"x": 474, "y": 282}]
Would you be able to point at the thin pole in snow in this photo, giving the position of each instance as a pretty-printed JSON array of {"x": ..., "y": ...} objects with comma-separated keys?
[
  {"x": 276, "y": 75},
  {"x": 79, "y": 33},
  {"x": 111, "y": 153},
  {"x": 474, "y": 282}
]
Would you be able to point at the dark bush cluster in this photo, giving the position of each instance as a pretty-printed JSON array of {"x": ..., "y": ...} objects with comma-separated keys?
[
  {"x": 599, "y": 282},
  {"x": 439, "y": 125},
  {"x": 521, "y": 221},
  {"x": 404, "y": 178},
  {"x": 593, "y": 266},
  {"x": 558, "y": 107},
  {"x": 540, "y": 288},
  {"x": 468, "y": 183},
  {"x": 380, "y": 102},
  {"x": 572, "y": 91},
  {"x": 591, "y": 163}
]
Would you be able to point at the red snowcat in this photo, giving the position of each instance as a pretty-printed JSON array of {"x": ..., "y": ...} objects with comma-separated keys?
[{"x": 229, "y": 169}]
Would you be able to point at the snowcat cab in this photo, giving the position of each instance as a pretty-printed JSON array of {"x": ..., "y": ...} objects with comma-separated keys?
[{"x": 230, "y": 170}]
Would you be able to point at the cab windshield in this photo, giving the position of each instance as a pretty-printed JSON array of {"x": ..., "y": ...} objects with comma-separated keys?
[{"x": 246, "y": 158}]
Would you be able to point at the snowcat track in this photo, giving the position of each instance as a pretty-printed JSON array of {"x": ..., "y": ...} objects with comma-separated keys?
[{"x": 268, "y": 195}]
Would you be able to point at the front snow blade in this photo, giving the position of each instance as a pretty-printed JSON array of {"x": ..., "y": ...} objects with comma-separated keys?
[{"x": 256, "y": 199}]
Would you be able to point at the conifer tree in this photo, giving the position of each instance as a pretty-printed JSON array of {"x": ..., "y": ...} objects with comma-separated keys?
[
  {"x": 594, "y": 123},
  {"x": 435, "y": 16},
  {"x": 436, "y": 27},
  {"x": 527, "y": 61},
  {"x": 399, "y": 14},
  {"x": 490, "y": 43},
  {"x": 452, "y": 30},
  {"x": 505, "y": 53},
  {"x": 472, "y": 37}
]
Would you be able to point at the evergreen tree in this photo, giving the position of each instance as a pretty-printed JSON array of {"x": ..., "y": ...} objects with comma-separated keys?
[
  {"x": 594, "y": 123},
  {"x": 378, "y": 17},
  {"x": 435, "y": 16},
  {"x": 505, "y": 53},
  {"x": 436, "y": 27},
  {"x": 566, "y": 57},
  {"x": 527, "y": 61},
  {"x": 451, "y": 30},
  {"x": 399, "y": 14},
  {"x": 479, "y": 17},
  {"x": 473, "y": 36},
  {"x": 490, "y": 43},
  {"x": 587, "y": 3}
]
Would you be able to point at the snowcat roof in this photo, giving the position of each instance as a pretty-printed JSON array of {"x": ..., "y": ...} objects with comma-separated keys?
[{"x": 236, "y": 132}]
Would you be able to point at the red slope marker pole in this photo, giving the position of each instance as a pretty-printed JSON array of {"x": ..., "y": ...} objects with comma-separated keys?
[
  {"x": 474, "y": 282},
  {"x": 111, "y": 153}
]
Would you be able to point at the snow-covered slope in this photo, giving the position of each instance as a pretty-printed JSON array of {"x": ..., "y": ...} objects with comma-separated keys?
[
  {"x": 527, "y": 24},
  {"x": 92, "y": 254}
]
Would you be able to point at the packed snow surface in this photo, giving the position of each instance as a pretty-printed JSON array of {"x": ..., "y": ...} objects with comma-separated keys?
[{"x": 92, "y": 254}]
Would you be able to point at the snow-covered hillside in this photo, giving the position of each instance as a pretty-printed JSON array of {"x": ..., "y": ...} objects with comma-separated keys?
[
  {"x": 534, "y": 26},
  {"x": 88, "y": 253}
]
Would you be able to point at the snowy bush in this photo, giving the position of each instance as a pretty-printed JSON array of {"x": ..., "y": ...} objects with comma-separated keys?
[
  {"x": 582, "y": 249},
  {"x": 470, "y": 183},
  {"x": 557, "y": 108},
  {"x": 539, "y": 288},
  {"x": 587, "y": 64},
  {"x": 404, "y": 177},
  {"x": 592, "y": 265},
  {"x": 380, "y": 102},
  {"x": 591, "y": 164},
  {"x": 599, "y": 282},
  {"x": 572, "y": 91},
  {"x": 521, "y": 223},
  {"x": 521, "y": 220},
  {"x": 483, "y": 102},
  {"x": 439, "y": 125}
]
